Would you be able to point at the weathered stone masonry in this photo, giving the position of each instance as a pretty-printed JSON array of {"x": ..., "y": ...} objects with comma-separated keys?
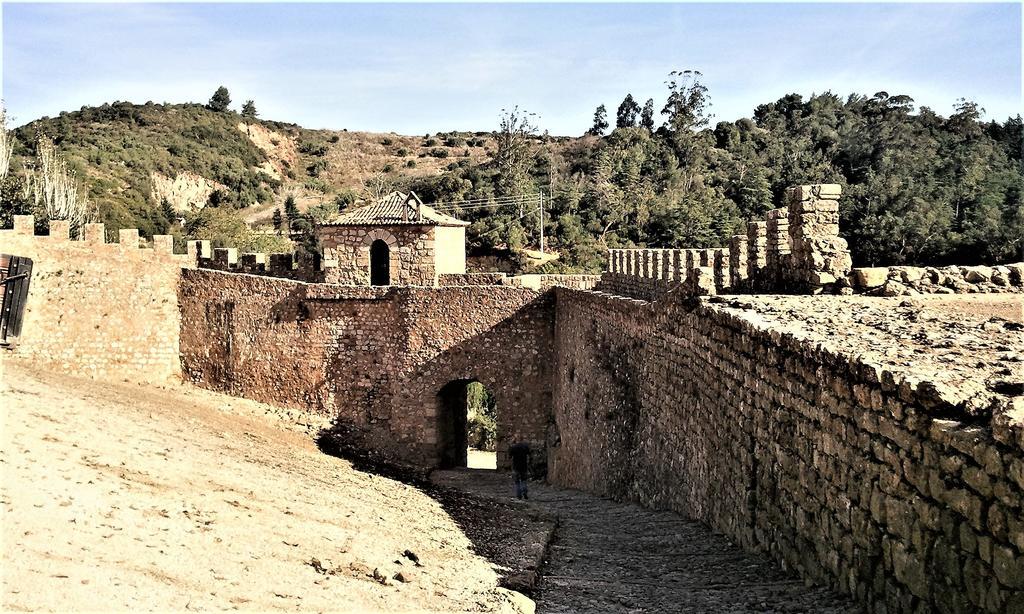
[
  {"x": 850, "y": 473},
  {"x": 376, "y": 358},
  {"x": 96, "y": 308},
  {"x": 827, "y": 442}
]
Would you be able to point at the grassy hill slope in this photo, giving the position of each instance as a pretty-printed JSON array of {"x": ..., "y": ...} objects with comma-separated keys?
[{"x": 135, "y": 157}]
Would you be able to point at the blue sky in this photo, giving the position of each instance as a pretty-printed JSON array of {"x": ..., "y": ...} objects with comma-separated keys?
[{"x": 416, "y": 68}]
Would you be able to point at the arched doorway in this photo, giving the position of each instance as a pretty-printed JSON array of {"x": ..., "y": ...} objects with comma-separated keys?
[
  {"x": 380, "y": 263},
  {"x": 466, "y": 425}
]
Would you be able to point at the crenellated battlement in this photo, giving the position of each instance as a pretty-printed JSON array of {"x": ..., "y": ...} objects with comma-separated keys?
[
  {"x": 97, "y": 308},
  {"x": 92, "y": 237},
  {"x": 797, "y": 248},
  {"x": 227, "y": 259}
]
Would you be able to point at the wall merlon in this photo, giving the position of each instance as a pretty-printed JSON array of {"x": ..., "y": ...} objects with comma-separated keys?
[
  {"x": 24, "y": 224},
  {"x": 197, "y": 250},
  {"x": 60, "y": 230},
  {"x": 95, "y": 234},
  {"x": 225, "y": 256},
  {"x": 163, "y": 244},
  {"x": 128, "y": 238}
]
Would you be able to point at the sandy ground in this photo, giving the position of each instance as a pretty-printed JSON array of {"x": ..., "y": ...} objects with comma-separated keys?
[{"x": 122, "y": 497}]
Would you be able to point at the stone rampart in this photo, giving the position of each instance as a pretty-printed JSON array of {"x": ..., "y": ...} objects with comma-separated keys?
[
  {"x": 374, "y": 358},
  {"x": 827, "y": 432},
  {"x": 95, "y": 308},
  {"x": 301, "y": 267},
  {"x": 796, "y": 249}
]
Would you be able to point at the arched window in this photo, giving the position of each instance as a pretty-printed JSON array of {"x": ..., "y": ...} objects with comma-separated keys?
[{"x": 380, "y": 264}]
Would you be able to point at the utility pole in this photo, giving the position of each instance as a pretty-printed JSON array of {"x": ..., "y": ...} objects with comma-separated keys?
[{"x": 542, "y": 221}]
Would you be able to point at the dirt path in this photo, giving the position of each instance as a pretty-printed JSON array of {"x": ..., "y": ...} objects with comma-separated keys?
[
  {"x": 617, "y": 558},
  {"x": 121, "y": 497}
]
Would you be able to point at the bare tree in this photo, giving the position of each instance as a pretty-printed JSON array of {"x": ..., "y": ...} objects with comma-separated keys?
[
  {"x": 55, "y": 188},
  {"x": 5, "y": 144},
  {"x": 377, "y": 186},
  {"x": 515, "y": 130}
]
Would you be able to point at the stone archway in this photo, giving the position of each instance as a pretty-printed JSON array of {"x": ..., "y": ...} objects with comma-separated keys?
[
  {"x": 380, "y": 264},
  {"x": 378, "y": 244},
  {"x": 465, "y": 437}
]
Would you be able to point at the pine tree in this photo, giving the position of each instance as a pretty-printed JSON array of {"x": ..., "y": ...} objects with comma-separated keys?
[
  {"x": 600, "y": 121},
  {"x": 628, "y": 111},
  {"x": 220, "y": 100},
  {"x": 278, "y": 220},
  {"x": 249, "y": 110},
  {"x": 647, "y": 115},
  {"x": 291, "y": 210}
]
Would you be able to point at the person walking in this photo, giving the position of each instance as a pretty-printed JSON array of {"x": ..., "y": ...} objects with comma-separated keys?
[{"x": 519, "y": 453}]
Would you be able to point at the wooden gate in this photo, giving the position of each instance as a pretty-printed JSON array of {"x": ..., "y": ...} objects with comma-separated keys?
[{"x": 15, "y": 273}]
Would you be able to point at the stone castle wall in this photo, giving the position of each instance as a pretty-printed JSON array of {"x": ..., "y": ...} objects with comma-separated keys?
[
  {"x": 376, "y": 358},
  {"x": 95, "y": 308},
  {"x": 796, "y": 249},
  {"x": 904, "y": 492}
]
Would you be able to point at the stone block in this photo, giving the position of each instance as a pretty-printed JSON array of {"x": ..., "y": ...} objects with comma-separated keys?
[
  {"x": 199, "y": 249},
  {"x": 163, "y": 244},
  {"x": 128, "y": 238},
  {"x": 95, "y": 234},
  {"x": 24, "y": 224},
  {"x": 870, "y": 277},
  {"x": 225, "y": 255},
  {"x": 60, "y": 229}
]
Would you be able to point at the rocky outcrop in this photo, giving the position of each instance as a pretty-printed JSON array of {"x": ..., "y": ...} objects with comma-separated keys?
[{"x": 185, "y": 192}]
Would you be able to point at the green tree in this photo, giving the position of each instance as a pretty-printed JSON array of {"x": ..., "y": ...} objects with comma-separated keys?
[
  {"x": 278, "y": 220},
  {"x": 249, "y": 109},
  {"x": 291, "y": 209},
  {"x": 220, "y": 100},
  {"x": 647, "y": 115},
  {"x": 627, "y": 113},
  {"x": 600, "y": 121}
]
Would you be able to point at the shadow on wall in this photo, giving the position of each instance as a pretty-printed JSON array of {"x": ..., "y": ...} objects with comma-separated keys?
[{"x": 401, "y": 410}]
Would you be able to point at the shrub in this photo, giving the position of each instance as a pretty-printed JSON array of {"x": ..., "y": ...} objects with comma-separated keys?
[
  {"x": 314, "y": 169},
  {"x": 313, "y": 149},
  {"x": 410, "y": 164},
  {"x": 386, "y": 141},
  {"x": 437, "y": 152},
  {"x": 430, "y": 143},
  {"x": 482, "y": 431}
]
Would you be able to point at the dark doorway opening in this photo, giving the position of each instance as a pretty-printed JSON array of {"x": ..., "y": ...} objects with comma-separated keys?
[
  {"x": 466, "y": 425},
  {"x": 380, "y": 263}
]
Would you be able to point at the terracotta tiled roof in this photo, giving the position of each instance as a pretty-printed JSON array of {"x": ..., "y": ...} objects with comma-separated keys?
[{"x": 395, "y": 208}]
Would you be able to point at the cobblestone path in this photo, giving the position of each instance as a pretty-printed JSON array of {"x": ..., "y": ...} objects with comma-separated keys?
[{"x": 618, "y": 557}]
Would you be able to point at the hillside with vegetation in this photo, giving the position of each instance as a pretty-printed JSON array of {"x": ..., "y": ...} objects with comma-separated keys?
[{"x": 919, "y": 188}]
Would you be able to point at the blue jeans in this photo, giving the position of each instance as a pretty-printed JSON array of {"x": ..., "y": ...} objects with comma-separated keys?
[{"x": 520, "y": 479}]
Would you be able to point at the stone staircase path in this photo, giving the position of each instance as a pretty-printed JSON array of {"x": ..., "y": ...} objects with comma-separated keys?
[{"x": 618, "y": 557}]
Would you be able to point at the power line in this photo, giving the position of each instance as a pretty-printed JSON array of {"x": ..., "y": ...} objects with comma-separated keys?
[
  {"x": 508, "y": 223},
  {"x": 480, "y": 203}
]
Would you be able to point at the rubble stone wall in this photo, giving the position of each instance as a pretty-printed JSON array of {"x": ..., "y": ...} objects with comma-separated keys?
[
  {"x": 866, "y": 479},
  {"x": 375, "y": 358},
  {"x": 910, "y": 281},
  {"x": 411, "y": 250},
  {"x": 95, "y": 308}
]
